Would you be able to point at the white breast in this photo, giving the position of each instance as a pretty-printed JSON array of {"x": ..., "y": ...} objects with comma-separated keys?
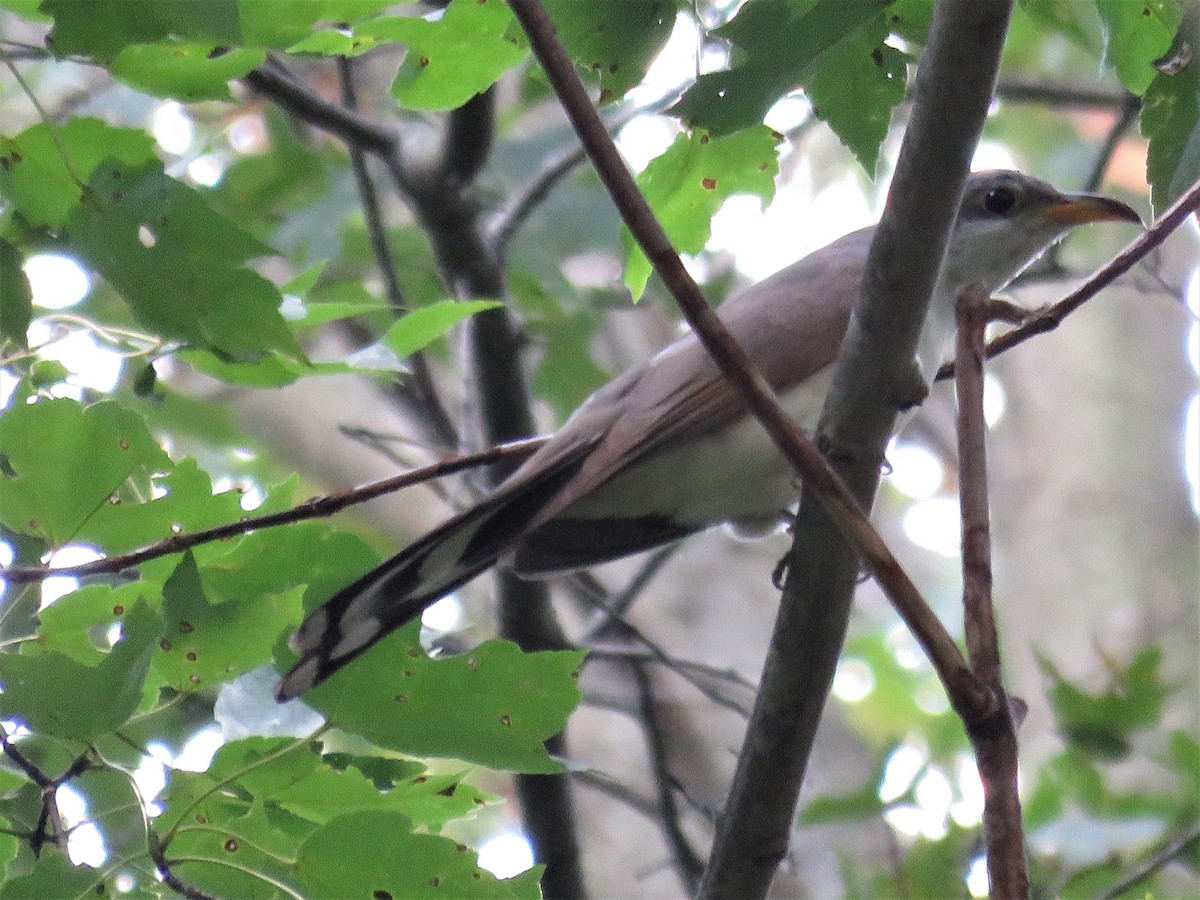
[{"x": 734, "y": 475}]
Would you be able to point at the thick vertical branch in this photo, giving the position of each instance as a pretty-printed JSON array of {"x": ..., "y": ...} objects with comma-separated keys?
[
  {"x": 994, "y": 737},
  {"x": 472, "y": 268},
  {"x": 954, "y": 85}
]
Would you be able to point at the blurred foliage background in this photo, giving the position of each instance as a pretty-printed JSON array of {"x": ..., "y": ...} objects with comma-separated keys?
[{"x": 235, "y": 241}]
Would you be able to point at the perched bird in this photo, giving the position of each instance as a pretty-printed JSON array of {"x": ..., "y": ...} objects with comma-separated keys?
[{"x": 669, "y": 448}]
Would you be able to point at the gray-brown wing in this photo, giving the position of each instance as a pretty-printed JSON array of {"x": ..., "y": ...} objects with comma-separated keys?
[{"x": 790, "y": 324}]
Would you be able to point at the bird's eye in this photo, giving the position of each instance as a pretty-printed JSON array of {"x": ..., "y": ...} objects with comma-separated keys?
[{"x": 999, "y": 201}]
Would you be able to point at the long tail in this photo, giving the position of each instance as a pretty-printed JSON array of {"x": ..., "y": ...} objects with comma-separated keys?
[{"x": 399, "y": 590}]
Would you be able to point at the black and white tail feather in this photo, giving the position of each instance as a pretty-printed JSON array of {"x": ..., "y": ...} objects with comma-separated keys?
[{"x": 396, "y": 593}]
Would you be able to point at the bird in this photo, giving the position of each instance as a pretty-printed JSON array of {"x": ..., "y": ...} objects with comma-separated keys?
[{"x": 669, "y": 447}]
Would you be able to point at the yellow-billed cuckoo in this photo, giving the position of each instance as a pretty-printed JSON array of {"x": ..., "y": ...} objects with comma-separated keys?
[{"x": 669, "y": 448}]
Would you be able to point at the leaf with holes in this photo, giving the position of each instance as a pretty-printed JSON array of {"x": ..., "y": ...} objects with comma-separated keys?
[
  {"x": 615, "y": 40},
  {"x": 34, "y": 174},
  {"x": 376, "y": 854},
  {"x": 178, "y": 263},
  {"x": 494, "y": 705},
  {"x": 183, "y": 501},
  {"x": 778, "y": 46},
  {"x": 1171, "y": 120},
  {"x": 205, "y": 642},
  {"x": 855, "y": 89},
  {"x": 452, "y": 57},
  {"x": 61, "y": 462},
  {"x": 687, "y": 184},
  {"x": 1135, "y": 35},
  {"x": 55, "y": 695},
  {"x": 101, "y": 28},
  {"x": 187, "y": 72}
]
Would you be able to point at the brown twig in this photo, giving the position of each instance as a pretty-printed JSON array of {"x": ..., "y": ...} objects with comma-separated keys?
[
  {"x": 173, "y": 881},
  {"x": 688, "y": 864},
  {"x": 317, "y": 507},
  {"x": 1061, "y": 94},
  {"x": 49, "y": 827},
  {"x": 418, "y": 393},
  {"x": 1174, "y": 849},
  {"x": 1052, "y": 316},
  {"x": 994, "y": 737}
]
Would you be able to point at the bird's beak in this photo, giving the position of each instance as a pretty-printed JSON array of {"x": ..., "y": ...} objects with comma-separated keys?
[{"x": 1079, "y": 209}]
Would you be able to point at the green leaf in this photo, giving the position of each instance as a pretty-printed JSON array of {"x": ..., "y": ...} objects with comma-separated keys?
[
  {"x": 10, "y": 846},
  {"x": 28, "y": 9},
  {"x": 1136, "y": 33},
  {"x": 207, "y": 641},
  {"x": 102, "y": 28},
  {"x": 64, "y": 461},
  {"x": 614, "y": 39},
  {"x": 861, "y": 804},
  {"x": 910, "y": 20},
  {"x": 417, "y": 329},
  {"x": 16, "y": 297},
  {"x": 271, "y": 370},
  {"x": 687, "y": 184},
  {"x": 227, "y": 847},
  {"x": 77, "y": 624},
  {"x": 55, "y": 695},
  {"x": 37, "y": 181},
  {"x": 184, "y": 71},
  {"x": 376, "y": 854},
  {"x": 494, "y": 705},
  {"x": 269, "y": 23},
  {"x": 1183, "y": 755},
  {"x": 274, "y": 791},
  {"x": 1100, "y": 725},
  {"x": 321, "y": 313},
  {"x": 51, "y": 875},
  {"x": 47, "y": 372},
  {"x": 1171, "y": 121},
  {"x": 273, "y": 561},
  {"x": 450, "y": 58},
  {"x": 178, "y": 263},
  {"x": 855, "y": 88},
  {"x": 314, "y": 788},
  {"x": 187, "y": 503},
  {"x": 335, "y": 43},
  {"x": 779, "y": 45},
  {"x": 426, "y": 798}
]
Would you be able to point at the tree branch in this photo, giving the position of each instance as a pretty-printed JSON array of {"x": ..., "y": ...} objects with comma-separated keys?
[
  {"x": 994, "y": 738},
  {"x": 1061, "y": 94},
  {"x": 952, "y": 91},
  {"x": 471, "y": 267},
  {"x": 819, "y": 477},
  {"x": 688, "y": 864},
  {"x": 418, "y": 394},
  {"x": 317, "y": 507},
  {"x": 1052, "y": 316},
  {"x": 1173, "y": 850}
]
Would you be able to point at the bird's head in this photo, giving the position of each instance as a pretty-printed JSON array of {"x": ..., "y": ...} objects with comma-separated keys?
[{"x": 1008, "y": 219}]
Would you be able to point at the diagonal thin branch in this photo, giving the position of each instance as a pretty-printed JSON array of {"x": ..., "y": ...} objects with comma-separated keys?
[
  {"x": 818, "y": 476},
  {"x": 1052, "y": 316},
  {"x": 317, "y": 507},
  {"x": 1174, "y": 849},
  {"x": 418, "y": 393},
  {"x": 688, "y": 864}
]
